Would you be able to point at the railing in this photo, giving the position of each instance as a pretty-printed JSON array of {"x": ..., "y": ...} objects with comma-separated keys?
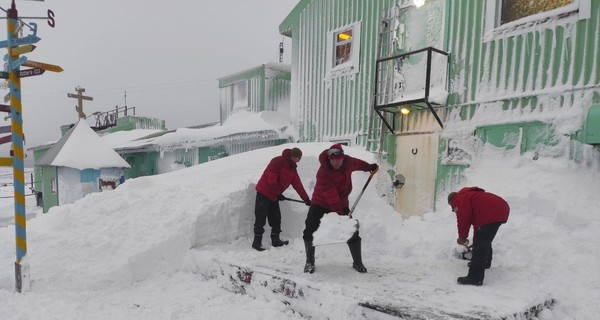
[
  {"x": 109, "y": 118},
  {"x": 409, "y": 79}
]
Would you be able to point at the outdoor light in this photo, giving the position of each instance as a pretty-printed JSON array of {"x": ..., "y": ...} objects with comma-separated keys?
[
  {"x": 419, "y": 3},
  {"x": 344, "y": 36},
  {"x": 405, "y": 111}
]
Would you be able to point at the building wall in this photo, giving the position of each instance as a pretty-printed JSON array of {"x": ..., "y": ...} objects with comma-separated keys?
[
  {"x": 268, "y": 89},
  {"x": 525, "y": 86},
  {"x": 328, "y": 106},
  {"x": 142, "y": 164}
]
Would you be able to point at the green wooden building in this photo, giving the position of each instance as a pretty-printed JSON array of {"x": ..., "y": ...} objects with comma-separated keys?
[{"x": 517, "y": 74}]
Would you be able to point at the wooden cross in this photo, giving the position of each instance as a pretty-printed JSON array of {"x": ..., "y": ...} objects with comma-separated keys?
[{"x": 80, "y": 97}]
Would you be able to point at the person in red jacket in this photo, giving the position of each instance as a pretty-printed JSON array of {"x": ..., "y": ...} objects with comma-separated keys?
[
  {"x": 277, "y": 177},
  {"x": 485, "y": 212},
  {"x": 334, "y": 184}
]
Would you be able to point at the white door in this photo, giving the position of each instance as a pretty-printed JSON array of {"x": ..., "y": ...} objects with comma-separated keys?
[{"x": 416, "y": 159}]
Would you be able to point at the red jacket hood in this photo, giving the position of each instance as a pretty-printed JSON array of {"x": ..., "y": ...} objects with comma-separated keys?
[{"x": 324, "y": 159}]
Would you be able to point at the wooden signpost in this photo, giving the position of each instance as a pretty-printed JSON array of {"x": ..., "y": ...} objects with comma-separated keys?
[{"x": 17, "y": 45}]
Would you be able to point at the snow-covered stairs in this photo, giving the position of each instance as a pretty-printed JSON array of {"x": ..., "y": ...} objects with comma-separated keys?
[{"x": 318, "y": 300}]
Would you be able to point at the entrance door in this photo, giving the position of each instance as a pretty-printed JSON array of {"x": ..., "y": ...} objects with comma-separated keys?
[{"x": 416, "y": 159}]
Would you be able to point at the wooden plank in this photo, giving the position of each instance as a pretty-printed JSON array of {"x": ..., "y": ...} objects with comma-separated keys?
[
  {"x": 6, "y": 139},
  {"x": 6, "y": 162}
]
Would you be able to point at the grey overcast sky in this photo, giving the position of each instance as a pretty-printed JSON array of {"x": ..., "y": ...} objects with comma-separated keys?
[{"x": 167, "y": 55}]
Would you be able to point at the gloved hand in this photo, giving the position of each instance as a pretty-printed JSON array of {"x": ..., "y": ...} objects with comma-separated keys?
[
  {"x": 280, "y": 197},
  {"x": 346, "y": 211},
  {"x": 307, "y": 202},
  {"x": 373, "y": 167},
  {"x": 461, "y": 241}
]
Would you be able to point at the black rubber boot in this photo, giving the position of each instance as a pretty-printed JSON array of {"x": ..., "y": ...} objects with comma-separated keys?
[
  {"x": 276, "y": 242},
  {"x": 355, "y": 251},
  {"x": 469, "y": 280},
  {"x": 309, "y": 267},
  {"x": 257, "y": 243}
]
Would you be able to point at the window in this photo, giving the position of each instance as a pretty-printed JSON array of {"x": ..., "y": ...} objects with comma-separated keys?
[
  {"x": 53, "y": 185},
  {"x": 240, "y": 95},
  {"x": 511, "y": 17},
  {"x": 343, "y": 50},
  {"x": 343, "y": 46},
  {"x": 517, "y": 9}
]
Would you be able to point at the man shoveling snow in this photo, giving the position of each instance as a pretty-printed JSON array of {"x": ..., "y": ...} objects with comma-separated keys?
[{"x": 333, "y": 186}]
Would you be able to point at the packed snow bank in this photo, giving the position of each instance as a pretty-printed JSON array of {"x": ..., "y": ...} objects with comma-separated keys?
[{"x": 142, "y": 251}]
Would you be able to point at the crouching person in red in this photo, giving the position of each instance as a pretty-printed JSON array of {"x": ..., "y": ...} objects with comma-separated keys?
[
  {"x": 277, "y": 177},
  {"x": 334, "y": 184},
  {"x": 485, "y": 212}
]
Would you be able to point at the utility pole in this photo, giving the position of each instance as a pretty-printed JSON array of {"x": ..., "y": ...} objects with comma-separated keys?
[{"x": 80, "y": 97}]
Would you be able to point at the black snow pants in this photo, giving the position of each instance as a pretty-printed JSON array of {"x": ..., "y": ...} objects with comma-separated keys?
[
  {"x": 482, "y": 249},
  {"x": 265, "y": 209},
  {"x": 313, "y": 221}
]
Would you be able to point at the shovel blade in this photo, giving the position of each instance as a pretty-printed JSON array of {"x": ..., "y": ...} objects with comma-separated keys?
[{"x": 335, "y": 229}]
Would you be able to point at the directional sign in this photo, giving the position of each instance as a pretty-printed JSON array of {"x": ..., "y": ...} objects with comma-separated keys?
[
  {"x": 5, "y": 139},
  {"x": 22, "y": 49},
  {"x": 23, "y": 73},
  {"x": 6, "y": 162},
  {"x": 17, "y": 63},
  {"x": 20, "y": 41},
  {"x": 45, "y": 66},
  {"x": 4, "y": 108},
  {"x": 5, "y": 129},
  {"x": 31, "y": 72}
]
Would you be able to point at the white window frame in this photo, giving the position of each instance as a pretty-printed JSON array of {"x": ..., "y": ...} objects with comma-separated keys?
[
  {"x": 237, "y": 89},
  {"x": 53, "y": 187},
  {"x": 352, "y": 65},
  {"x": 578, "y": 10}
]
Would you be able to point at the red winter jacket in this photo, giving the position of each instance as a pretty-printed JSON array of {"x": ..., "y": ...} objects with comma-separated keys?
[
  {"x": 277, "y": 177},
  {"x": 474, "y": 206},
  {"x": 334, "y": 186}
]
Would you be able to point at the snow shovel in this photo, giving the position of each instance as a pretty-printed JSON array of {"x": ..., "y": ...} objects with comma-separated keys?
[
  {"x": 338, "y": 229},
  {"x": 363, "y": 191},
  {"x": 294, "y": 200},
  {"x": 463, "y": 252}
]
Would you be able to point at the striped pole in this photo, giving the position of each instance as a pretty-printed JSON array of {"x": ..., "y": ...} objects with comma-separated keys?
[{"x": 21, "y": 274}]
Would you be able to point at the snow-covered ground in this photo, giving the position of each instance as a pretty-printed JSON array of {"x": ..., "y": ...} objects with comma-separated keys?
[{"x": 166, "y": 247}]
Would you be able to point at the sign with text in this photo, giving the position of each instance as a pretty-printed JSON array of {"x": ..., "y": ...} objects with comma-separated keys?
[
  {"x": 5, "y": 129},
  {"x": 22, "y": 49},
  {"x": 4, "y": 108},
  {"x": 31, "y": 72},
  {"x": 22, "y": 74},
  {"x": 45, "y": 66},
  {"x": 20, "y": 41}
]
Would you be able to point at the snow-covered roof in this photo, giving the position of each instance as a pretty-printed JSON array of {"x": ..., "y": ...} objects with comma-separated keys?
[
  {"x": 239, "y": 126},
  {"x": 82, "y": 148}
]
